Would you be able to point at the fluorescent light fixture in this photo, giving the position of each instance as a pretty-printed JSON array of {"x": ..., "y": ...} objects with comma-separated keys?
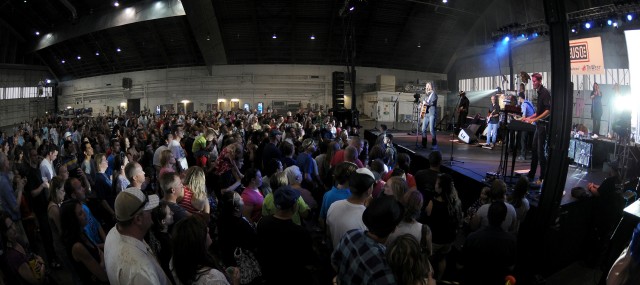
[
  {"x": 185, "y": 101},
  {"x": 235, "y": 100}
]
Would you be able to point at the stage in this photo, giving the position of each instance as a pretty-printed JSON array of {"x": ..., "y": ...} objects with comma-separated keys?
[{"x": 474, "y": 162}]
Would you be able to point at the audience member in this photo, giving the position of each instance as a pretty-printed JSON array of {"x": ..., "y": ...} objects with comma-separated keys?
[
  {"x": 346, "y": 215},
  {"x": 24, "y": 267},
  {"x": 341, "y": 190},
  {"x": 284, "y": 249},
  {"x": 408, "y": 262},
  {"x": 235, "y": 230},
  {"x": 85, "y": 256},
  {"x": 412, "y": 202},
  {"x": 395, "y": 187},
  {"x": 173, "y": 190},
  {"x": 159, "y": 239},
  {"x": 497, "y": 193},
  {"x": 269, "y": 208},
  {"x": 128, "y": 259},
  {"x": 518, "y": 200},
  {"x": 359, "y": 257},
  {"x": 251, "y": 195},
  {"x": 426, "y": 178},
  {"x": 74, "y": 189},
  {"x": 444, "y": 217},
  {"x": 490, "y": 253}
]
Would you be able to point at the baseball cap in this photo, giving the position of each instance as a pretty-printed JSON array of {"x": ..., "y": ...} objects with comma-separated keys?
[
  {"x": 307, "y": 142},
  {"x": 132, "y": 200},
  {"x": 366, "y": 171},
  {"x": 67, "y": 134},
  {"x": 285, "y": 197},
  {"x": 274, "y": 133}
]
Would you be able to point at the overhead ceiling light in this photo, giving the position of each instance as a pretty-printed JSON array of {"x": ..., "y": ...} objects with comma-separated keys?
[
  {"x": 97, "y": 53},
  {"x": 312, "y": 37},
  {"x": 573, "y": 30},
  {"x": 79, "y": 57},
  {"x": 615, "y": 24},
  {"x": 37, "y": 33},
  {"x": 352, "y": 8},
  {"x": 116, "y": 4},
  {"x": 63, "y": 61},
  {"x": 419, "y": 45},
  {"x": 48, "y": 81},
  {"x": 274, "y": 36},
  {"x": 629, "y": 17},
  {"x": 587, "y": 25},
  {"x": 118, "y": 50},
  {"x": 444, "y": 1},
  {"x": 609, "y": 22},
  {"x": 208, "y": 37}
]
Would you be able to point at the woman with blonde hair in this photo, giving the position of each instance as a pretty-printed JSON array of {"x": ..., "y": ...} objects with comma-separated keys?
[
  {"x": 396, "y": 186},
  {"x": 408, "y": 265},
  {"x": 195, "y": 192}
]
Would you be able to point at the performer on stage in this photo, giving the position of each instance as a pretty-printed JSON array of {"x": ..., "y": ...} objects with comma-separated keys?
[
  {"x": 596, "y": 109},
  {"x": 543, "y": 110},
  {"x": 430, "y": 107},
  {"x": 492, "y": 122},
  {"x": 463, "y": 110},
  {"x": 527, "y": 111}
]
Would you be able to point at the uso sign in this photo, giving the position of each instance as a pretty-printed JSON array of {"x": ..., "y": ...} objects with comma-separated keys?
[{"x": 586, "y": 56}]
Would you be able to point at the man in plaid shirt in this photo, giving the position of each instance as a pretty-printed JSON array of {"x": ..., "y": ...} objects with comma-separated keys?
[{"x": 359, "y": 258}]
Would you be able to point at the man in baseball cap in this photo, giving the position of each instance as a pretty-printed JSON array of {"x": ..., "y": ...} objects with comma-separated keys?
[{"x": 127, "y": 257}]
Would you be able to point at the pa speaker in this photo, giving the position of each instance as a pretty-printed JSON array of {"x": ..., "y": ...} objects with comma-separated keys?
[{"x": 467, "y": 136}]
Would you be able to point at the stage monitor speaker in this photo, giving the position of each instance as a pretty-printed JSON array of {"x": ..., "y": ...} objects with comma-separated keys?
[{"x": 467, "y": 136}]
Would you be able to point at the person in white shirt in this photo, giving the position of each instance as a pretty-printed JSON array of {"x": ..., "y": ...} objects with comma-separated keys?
[
  {"x": 497, "y": 193},
  {"x": 346, "y": 215},
  {"x": 46, "y": 166},
  {"x": 128, "y": 258}
]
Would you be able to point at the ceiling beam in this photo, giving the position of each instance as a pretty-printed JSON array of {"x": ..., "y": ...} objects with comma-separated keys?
[
  {"x": 206, "y": 31},
  {"x": 139, "y": 12}
]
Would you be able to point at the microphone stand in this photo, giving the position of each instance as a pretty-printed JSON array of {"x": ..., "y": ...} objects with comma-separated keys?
[{"x": 453, "y": 135}]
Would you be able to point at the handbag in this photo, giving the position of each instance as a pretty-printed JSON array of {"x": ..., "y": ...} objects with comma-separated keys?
[{"x": 249, "y": 266}]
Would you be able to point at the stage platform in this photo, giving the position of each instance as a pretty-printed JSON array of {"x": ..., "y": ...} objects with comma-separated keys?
[{"x": 473, "y": 162}]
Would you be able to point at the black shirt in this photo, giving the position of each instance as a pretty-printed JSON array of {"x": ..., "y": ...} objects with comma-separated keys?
[
  {"x": 544, "y": 100},
  {"x": 494, "y": 110},
  {"x": 284, "y": 249},
  {"x": 487, "y": 256},
  {"x": 34, "y": 180},
  {"x": 464, "y": 103}
]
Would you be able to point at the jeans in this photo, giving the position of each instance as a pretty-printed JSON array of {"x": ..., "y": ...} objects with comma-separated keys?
[
  {"x": 492, "y": 132},
  {"x": 539, "y": 143},
  {"x": 430, "y": 119}
]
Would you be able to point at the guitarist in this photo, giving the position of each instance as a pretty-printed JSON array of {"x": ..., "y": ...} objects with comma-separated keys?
[
  {"x": 463, "y": 110},
  {"x": 492, "y": 122},
  {"x": 429, "y": 114}
]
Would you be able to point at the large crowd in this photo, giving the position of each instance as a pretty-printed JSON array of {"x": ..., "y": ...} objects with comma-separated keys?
[{"x": 238, "y": 198}]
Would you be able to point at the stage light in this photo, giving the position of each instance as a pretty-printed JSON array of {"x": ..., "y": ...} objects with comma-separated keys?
[
  {"x": 37, "y": 33},
  {"x": 79, "y": 57},
  {"x": 573, "y": 30},
  {"x": 444, "y": 1},
  {"x": 97, "y": 53},
  {"x": 629, "y": 17},
  {"x": 116, "y": 4},
  {"x": 609, "y": 22},
  {"x": 312, "y": 37},
  {"x": 505, "y": 39},
  {"x": 615, "y": 24},
  {"x": 352, "y": 8},
  {"x": 274, "y": 36},
  {"x": 535, "y": 35},
  {"x": 587, "y": 25},
  {"x": 48, "y": 81},
  {"x": 118, "y": 50},
  {"x": 63, "y": 61}
]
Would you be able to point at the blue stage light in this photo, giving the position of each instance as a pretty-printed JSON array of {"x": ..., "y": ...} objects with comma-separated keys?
[{"x": 587, "y": 25}]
